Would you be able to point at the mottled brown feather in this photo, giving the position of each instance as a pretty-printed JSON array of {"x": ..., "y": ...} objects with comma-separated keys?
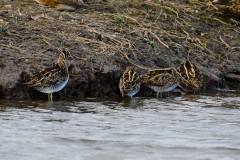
[
  {"x": 50, "y": 76},
  {"x": 129, "y": 81},
  {"x": 160, "y": 77},
  {"x": 161, "y": 80},
  {"x": 191, "y": 77}
]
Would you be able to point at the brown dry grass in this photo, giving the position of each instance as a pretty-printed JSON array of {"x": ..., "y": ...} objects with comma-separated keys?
[{"x": 148, "y": 33}]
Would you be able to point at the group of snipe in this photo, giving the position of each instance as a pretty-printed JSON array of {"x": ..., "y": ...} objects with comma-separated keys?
[{"x": 186, "y": 76}]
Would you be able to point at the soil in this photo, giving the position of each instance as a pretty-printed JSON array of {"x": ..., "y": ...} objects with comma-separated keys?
[{"x": 106, "y": 36}]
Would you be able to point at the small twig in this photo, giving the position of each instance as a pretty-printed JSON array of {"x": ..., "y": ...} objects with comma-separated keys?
[
  {"x": 157, "y": 17},
  {"x": 145, "y": 68},
  {"x": 13, "y": 47},
  {"x": 216, "y": 19},
  {"x": 165, "y": 45},
  {"x": 225, "y": 43},
  {"x": 48, "y": 43}
]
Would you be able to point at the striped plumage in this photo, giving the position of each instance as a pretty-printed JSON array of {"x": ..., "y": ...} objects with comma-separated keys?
[
  {"x": 161, "y": 80},
  {"x": 234, "y": 7},
  {"x": 231, "y": 6},
  {"x": 191, "y": 77},
  {"x": 52, "y": 79},
  {"x": 129, "y": 83}
]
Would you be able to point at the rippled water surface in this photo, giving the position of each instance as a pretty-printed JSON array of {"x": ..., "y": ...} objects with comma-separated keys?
[{"x": 181, "y": 128}]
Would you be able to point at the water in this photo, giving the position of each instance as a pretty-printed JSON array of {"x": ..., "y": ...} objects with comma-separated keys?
[{"x": 180, "y": 128}]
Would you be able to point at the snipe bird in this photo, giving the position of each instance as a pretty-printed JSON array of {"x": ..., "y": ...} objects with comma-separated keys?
[
  {"x": 161, "y": 80},
  {"x": 191, "y": 77},
  {"x": 231, "y": 6},
  {"x": 129, "y": 83},
  {"x": 52, "y": 79}
]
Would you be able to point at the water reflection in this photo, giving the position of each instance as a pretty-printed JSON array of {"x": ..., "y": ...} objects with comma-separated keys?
[
  {"x": 132, "y": 102},
  {"x": 184, "y": 127}
]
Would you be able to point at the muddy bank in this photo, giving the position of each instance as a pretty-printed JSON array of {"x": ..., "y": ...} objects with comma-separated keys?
[{"x": 107, "y": 36}]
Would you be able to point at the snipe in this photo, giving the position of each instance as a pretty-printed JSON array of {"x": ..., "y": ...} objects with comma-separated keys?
[
  {"x": 52, "y": 79},
  {"x": 230, "y": 6},
  {"x": 191, "y": 77},
  {"x": 161, "y": 80},
  {"x": 129, "y": 83}
]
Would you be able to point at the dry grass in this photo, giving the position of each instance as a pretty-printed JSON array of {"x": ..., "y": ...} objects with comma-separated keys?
[{"x": 131, "y": 29}]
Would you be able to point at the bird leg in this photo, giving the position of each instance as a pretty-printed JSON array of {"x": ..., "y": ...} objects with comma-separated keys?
[
  {"x": 158, "y": 94},
  {"x": 50, "y": 97}
]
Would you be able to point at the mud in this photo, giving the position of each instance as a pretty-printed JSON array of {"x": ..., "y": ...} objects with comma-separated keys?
[{"x": 105, "y": 37}]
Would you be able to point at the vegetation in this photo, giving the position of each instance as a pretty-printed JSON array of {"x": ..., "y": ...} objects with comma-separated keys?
[{"x": 108, "y": 35}]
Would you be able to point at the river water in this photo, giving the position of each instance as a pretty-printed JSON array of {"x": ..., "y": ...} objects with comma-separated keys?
[{"x": 190, "y": 127}]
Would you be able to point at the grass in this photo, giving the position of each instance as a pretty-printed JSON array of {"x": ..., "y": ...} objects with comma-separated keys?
[{"x": 175, "y": 28}]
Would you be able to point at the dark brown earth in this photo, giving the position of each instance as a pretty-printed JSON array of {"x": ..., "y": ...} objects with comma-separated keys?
[{"x": 105, "y": 37}]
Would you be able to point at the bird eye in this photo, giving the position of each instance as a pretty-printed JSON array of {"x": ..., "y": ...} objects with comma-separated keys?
[{"x": 66, "y": 52}]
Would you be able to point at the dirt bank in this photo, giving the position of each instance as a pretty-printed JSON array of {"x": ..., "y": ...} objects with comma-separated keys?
[{"x": 102, "y": 35}]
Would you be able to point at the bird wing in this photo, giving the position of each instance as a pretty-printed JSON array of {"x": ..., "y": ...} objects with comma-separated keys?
[{"x": 47, "y": 77}]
